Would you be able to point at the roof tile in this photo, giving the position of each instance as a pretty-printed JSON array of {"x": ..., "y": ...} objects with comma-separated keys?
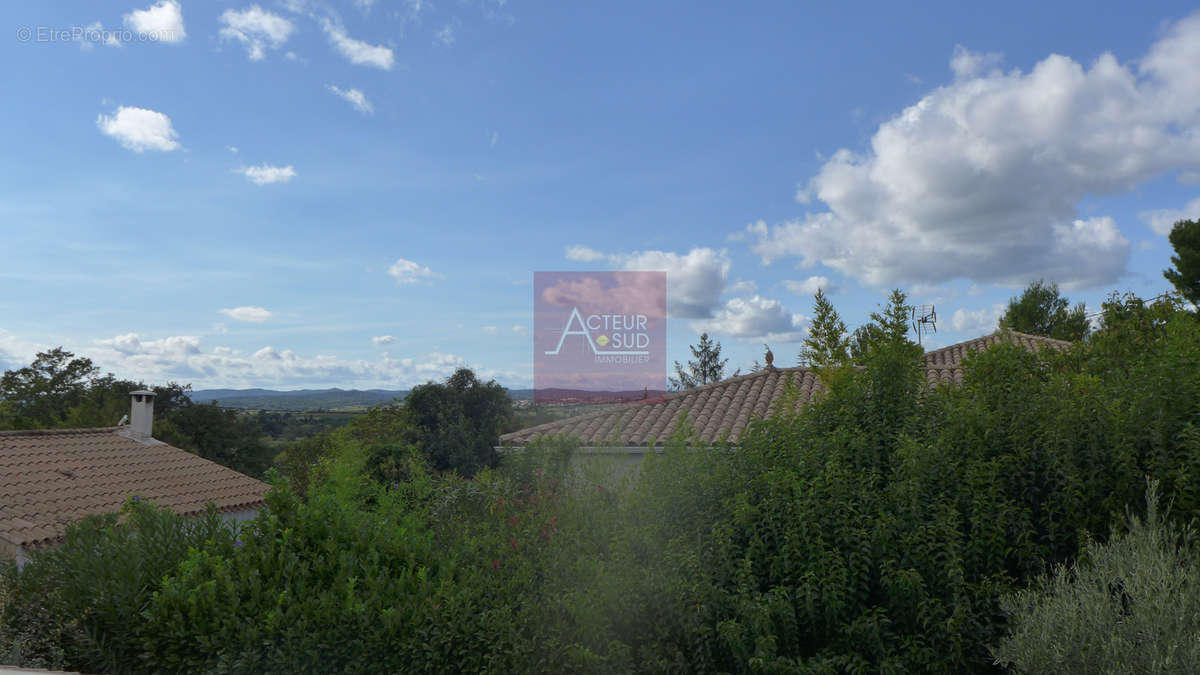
[
  {"x": 49, "y": 478},
  {"x": 723, "y": 410}
]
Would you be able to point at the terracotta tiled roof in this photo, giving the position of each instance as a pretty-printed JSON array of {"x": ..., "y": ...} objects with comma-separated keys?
[
  {"x": 53, "y": 477},
  {"x": 721, "y": 411},
  {"x": 945, "y": 365}
]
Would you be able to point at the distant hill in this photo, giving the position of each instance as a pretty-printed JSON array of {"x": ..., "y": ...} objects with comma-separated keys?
[{"x": 312, "y": 399}]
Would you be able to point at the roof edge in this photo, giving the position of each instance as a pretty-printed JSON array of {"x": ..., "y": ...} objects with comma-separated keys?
[{"x": 59, "y": 432}]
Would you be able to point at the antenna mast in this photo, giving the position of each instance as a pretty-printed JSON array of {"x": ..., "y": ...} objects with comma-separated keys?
[{"x": 924, "y": 320}]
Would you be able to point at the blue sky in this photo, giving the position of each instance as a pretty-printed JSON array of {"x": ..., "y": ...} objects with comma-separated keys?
[{"x": 302, "y": 194}]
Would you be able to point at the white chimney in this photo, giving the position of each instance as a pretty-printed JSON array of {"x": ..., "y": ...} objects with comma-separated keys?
[{"x": 141, "y": 416}]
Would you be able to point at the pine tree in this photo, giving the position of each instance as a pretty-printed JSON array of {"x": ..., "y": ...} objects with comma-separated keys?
[
  {"x": 889, "y": 326},
  {"x": 708, "y": 367},
  {"x": 1185, "y": 239},
  {"x": 1040, "y": 310},
  {"x": 827, "y": 343}
]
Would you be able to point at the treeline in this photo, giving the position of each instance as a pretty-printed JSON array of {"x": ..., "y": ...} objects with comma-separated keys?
[
  {"x": 454, "y": 424},
  {"x": 59, "y": 390},
  {"x": 886, "y": 527}
]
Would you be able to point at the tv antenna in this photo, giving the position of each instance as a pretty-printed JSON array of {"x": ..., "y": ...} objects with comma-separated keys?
[{"x": 924, "y": 320}]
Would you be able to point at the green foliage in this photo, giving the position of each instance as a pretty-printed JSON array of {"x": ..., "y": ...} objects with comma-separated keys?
[
  {"x": 43, "y": 393},
  {"x": 223, "y": 436},
  {"x": 80, "y": 606},
  {"x": 708, "y": 367},
  {"x": 1130, "y": 605},
  {"x": 827, "y": 344},
  {"x": 887, "y": 327},
  {"x": 880, "y": 529},
  {"x": 456, "y": 424},
  {"x": 1185, "y": 275},
  {"x": 59, "y": 390},
  {"x": 1040, "y": 310}
]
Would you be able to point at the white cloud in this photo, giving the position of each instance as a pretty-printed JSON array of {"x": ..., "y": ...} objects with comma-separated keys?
[
  {"x": 755, "y": 317},
  {"x": 185, "y": 359},
  {"x": 966, "y": 63},
  {"x": 257, "y": 30},
  {"x": 265, "y": 174},
  {"x": 809, "y": 286},
  {"x": 356, "y": 51},
  {"x": 409, "y": 272},
  {"x": 383, "y": 339},
  {"x": 232, "y": 148},
  {"x": 248, "y": 313},
  {"x": 982, "y": 177},
  {"x": 491, "y": 330},
  {"x": 162, "y": 22},
  {"x": 976, "y": 321},
  {"x": 444, "y": 35},
  {"x": 742, "y": 286},
  {"x": 520, "y": 330},
  {"x": 354, "y": 97},
  {"x": 139, "y": 129},
  {"x": 695, "y": 281},
  {"x": 1162, "y": 220},
  {"x": 495, "y": 138},
  {"x": 93, "y": 33},
  {"x": 581, "y": 253}
]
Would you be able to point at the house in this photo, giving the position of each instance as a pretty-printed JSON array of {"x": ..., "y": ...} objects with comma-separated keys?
[
  {"x": 723, "y": 410},
  {"x": 52, "y": 477}
]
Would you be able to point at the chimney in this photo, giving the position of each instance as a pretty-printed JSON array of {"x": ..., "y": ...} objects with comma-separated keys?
[{"x": 141, "y": 415}]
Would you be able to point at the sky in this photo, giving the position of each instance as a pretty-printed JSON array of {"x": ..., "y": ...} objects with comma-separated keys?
[{"x": 305, "y": 194}]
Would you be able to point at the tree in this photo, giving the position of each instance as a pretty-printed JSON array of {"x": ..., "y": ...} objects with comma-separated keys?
[
  {"x": 456, "y": 424},
  {"x": 1041, "y": 310},
  {"x": 1185, "y": 238},
  {"x": 43, "y": 393},
  {"x": 887, "y": 327},
  {"x": 708, "y": 367},
  {"x": 827, "y": 343}
]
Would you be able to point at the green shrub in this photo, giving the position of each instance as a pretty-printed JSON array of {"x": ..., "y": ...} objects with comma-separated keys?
[
  {"x": 80, "y": 606},
  {"x": 1131, "y": 605}
]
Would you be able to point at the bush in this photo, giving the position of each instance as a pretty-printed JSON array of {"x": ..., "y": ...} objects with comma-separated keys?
[
  {"x": 1131, "y": 605},
  {"x": 80, "y": 606},
  {"x": 880, "y": 529}
]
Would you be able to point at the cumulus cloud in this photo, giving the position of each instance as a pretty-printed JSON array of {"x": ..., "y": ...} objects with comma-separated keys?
[
  {"x": 1162, "y": 220},
  {"x": 982, "y": 177},
  {"x": 162, "y": 22},
  {"x": 976, "y": 321},
  {"x": 139, "y": 129},
  {"x": 755, "y": 317},
  {"x": 383, "y": 339},
  {"x": 356, "y": 51},
  {"x": 248, "y": 313},
  {"x": 409, "y": 272},
  {"x": 185, "y": 358},
  {"x": 354, "y": 97},
  {"x": 257, "y": 29},
  {"x": 695, "y": 281},
  {"x": 265, "y": 174},
  {"x": 811, "y": 285}
]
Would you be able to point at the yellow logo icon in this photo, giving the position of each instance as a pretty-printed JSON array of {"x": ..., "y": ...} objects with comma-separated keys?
[{"x": 602, "y": 340}]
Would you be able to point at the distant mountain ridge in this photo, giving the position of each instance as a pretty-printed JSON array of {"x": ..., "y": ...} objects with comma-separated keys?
[{"x": 311, "y": 399}]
